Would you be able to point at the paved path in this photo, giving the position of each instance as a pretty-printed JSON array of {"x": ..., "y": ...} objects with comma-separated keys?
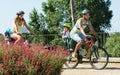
[{"x": 113, "y": 68}]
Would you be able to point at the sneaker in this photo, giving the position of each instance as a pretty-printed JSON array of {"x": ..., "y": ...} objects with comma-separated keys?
[{"x": 74, "y": 56}]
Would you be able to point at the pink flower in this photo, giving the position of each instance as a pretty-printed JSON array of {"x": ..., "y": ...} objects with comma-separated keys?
[{"x": 1, "y": 65}]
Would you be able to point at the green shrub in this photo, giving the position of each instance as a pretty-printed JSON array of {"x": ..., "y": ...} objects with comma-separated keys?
[
  {"x": 113, "y": 45},
  {"x": 1, "y": 36},
  {"x": 34, "y": 60}
]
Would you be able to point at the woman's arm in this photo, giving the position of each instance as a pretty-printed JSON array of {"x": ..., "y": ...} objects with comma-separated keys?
[
  {"x": 15, "y": 25},
  {"x": 28, "y": 27}
]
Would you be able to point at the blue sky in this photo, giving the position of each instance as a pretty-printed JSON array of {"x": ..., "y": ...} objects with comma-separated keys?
[
  {"x": 9, "y": 8},
  {"x": 115, "y": 21}
]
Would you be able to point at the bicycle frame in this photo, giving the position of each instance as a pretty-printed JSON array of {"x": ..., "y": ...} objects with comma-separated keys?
[
  {"x": 10, "y": 41},
  {"x": 90, "y": 42}
]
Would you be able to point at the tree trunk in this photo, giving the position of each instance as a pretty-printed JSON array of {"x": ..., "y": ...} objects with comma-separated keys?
[{"x": 72, "y": 12}]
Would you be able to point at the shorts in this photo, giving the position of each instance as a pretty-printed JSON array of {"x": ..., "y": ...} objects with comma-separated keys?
[{"x": 77, "y": 36}]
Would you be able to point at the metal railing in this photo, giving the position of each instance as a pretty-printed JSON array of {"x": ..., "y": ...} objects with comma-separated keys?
[{"x": 47, "y": 38}]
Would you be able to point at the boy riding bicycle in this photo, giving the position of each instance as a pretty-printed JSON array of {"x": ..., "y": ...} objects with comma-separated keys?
[
  {"x": 69, "y": 43},
  {"x": 66, "y": 33}
]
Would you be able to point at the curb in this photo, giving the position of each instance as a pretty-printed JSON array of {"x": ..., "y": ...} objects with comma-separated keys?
[
  {"x": 114, "y": 60},
  {"x": 111, "y": 60}
]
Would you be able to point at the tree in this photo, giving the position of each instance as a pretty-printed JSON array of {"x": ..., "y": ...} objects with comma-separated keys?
[
  {"x": 57, "y": 12},
  {"x": 38, "y": 25},
  {"x": 37, "y": 22},
  {"x": 99, "y": 11},
  {"x": 72, "y": 11}
]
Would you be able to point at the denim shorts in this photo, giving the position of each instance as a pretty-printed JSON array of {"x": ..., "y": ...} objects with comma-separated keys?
[{"x": 77, "y": 36}]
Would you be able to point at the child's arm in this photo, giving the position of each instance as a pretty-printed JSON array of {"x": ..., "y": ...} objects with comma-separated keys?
[{"x": 64, "y": 36}]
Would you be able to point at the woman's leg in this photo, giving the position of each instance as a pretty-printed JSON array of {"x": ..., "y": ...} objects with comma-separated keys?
[{"x": 18, "y": 39}]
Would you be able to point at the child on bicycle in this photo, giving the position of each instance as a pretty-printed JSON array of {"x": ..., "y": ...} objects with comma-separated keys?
[
  {"x": 66, "y": 33},
  {"x": 78, "y": 34}
]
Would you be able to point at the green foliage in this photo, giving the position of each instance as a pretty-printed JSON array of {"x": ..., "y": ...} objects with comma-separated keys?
[
  {"x": 38, "y": 25},
  {"x": 113, "y": 45},
  {"x": 53, "y": 15},
  {"x": 37, "y": 22},
  {"x": 1, "y": 36},
  {"x": 100, "y": 14},
  {"x": 99, "y": 11},
  {"x": 34, "y": 60},
  {"x": 58, "y": 12}
]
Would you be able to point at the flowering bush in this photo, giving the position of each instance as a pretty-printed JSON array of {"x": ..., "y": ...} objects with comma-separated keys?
[{"x": 34, "y": 60}]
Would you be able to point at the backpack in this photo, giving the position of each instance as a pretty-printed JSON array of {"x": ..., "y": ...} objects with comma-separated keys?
[{"x": 7, "y": 35}]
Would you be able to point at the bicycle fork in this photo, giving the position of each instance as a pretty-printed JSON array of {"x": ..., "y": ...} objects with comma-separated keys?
[{"x": 96, "y": 53}]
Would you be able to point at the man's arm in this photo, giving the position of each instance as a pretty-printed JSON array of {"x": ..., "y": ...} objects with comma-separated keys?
[{"x": 92, "y": 29}]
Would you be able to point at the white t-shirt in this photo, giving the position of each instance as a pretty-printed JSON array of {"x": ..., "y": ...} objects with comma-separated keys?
[{"x": 66, "y": 33}]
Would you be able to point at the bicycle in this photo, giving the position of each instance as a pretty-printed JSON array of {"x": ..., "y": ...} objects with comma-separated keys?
[
  {"x": 10, "y": 41},
  {"x": 98, "y": 57}
]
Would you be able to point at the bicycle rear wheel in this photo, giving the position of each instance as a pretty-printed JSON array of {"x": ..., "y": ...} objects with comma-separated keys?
[
  {"x": 99, "y": 58},
  {"x": 70, "y": 62}
]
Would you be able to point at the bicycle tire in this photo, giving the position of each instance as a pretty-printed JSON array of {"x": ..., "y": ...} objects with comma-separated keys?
[
  {"x": 70, "y": 63},
  {"x": 97, "y": 54}
]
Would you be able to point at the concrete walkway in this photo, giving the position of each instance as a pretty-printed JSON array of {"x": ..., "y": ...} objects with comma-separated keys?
[{"x": 113, "y": 68}]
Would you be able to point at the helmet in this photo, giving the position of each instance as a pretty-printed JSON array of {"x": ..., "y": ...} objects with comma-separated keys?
[
  {"x": 67, "y": 25},
  {"x": 85, "y": 11},
  {"x": 20, "y": 12}
]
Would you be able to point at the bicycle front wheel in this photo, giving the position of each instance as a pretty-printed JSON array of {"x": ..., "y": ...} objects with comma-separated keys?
[{"x": 99, "y": 58}]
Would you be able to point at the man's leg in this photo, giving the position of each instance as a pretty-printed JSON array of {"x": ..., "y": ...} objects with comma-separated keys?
[
  {"x": 87, "y": 47},
  {"x": 74, "y": 55},
  {"x": 77, "y": 46}
]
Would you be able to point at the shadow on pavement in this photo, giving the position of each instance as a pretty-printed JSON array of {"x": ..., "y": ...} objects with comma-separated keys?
[{"x": 112, "y": 68}]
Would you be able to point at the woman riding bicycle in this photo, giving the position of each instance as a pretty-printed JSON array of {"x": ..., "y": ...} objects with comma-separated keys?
[
  {"x": 19, "y": 21},
  {"x": 78, "y": 34}
]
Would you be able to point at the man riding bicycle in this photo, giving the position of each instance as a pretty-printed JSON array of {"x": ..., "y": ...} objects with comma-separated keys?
[
  {"x": 15, "y": 32},
  {"x": 78, "y": 34}
]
